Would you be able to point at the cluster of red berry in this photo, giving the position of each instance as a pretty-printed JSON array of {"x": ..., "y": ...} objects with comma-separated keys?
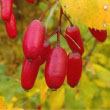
[
  {"x": 37, "y": 49},
  {"x": 9, "y": 17}
]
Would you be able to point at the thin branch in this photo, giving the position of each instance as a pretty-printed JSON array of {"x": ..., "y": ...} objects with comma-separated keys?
[
  {"x": 59, "y": 27},
  {"x": 51, "y": 34},
  {"x": 90, "y": 53},
  {"x": 42, "y": 16},
  {"x": 1, "y": 21},
  {"x": 68, "y": 19}
]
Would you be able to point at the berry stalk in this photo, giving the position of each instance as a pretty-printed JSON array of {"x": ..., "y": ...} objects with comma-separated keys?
[
  {"x": 68, "y": 19},
  {"x": 59, "y": 27},
  {"x": 43, "y": 15}
]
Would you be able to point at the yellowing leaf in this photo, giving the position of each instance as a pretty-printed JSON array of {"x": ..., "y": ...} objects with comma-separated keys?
[
  {"x": 100, "y": 83},
  {"x": 101, "y": 58},
  {"x": 32, "y": 92},
  {"x": 2, "y": 102},
  {"x": 43, "y": 91},
  {"x": 91, "y": 13},
  {"x": 87, "y": 90},
  {"x": 17, "y": 109},
  {"x": 103, "y": 74},
  {"x": 106, "y": 99},
  {"x": 14, "y": 99},
  {"x": 90, "y": 68},
  {"x": 10, "y": 106},
  {"x": 57, "y": 99}
]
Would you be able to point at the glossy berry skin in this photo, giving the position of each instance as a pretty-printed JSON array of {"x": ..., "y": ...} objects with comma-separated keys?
[
  {"x": 45, "y": 50},
  {"x": 74, "y": 69},
  {"x": 31, "y": 1},
  {"x": 6, "y": 9},
  {"x": 29, "y": 73},
  {"x": 11, "y": 27},
  {"x": 56, "y": 67},
  {"x": 73, "y": 33},
  {"x": 34, "y": 39},
  {"x": 100, "y": 35}
]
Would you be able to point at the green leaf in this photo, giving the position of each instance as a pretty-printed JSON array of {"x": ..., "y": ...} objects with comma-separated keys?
[
  {"x": 43, "y": 6},
  {"x": 70, "y": 101}
]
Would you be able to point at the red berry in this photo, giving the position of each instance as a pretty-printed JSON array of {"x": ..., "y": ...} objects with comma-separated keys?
[
  {"x": 39, "y": 107},
  {"x": 74, "y": 39},
  {"x": 31, "y": 1},
  {"x": 56, "y": 67},
  {"x": 46, "y": 49},
  {"x": 74, "y": 69},
  {"x": 11, "y": 27},
  {"x": 100, "y": 35},
  {"x": 34, "y": 39},
  {"x": 6, "y": 9},
  {"x": 29, "y": 73}
]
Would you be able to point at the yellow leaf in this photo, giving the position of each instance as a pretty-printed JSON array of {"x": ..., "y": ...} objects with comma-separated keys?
[
  {"x": 100, "y": 83},
  {"x": 91, "y": 13},
  {"x": 32, "y": 92},
  {"x": 77, "y": 96},
  {"x": 10, "y": 106},
  {"x": 106, "y": 99},
  {"x": 90, "y": 68},
  {"x": 103, "y": 74},
  {"x": 2, "y": 102},
  {"x": 17, "y": 109},
  {"x": 101, "y": 58},
  {"x": 43, "y": 91},
  {"x": 57, "y": 99},
  {"x": 14, "y": 99},
  {"x": 87, "y": 89}
]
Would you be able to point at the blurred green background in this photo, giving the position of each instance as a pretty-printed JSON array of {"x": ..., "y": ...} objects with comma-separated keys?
[{"x": 93, "y": 91}]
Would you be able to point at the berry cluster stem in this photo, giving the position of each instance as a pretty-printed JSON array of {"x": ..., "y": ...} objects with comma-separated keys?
[
  {"x": 59, "y": 27},
  {"x": 87, "y": 58},
  {"x": 43, "y": 15},
  {"x": 52, "y": 34},
  {"x": 68, "y": 19}
]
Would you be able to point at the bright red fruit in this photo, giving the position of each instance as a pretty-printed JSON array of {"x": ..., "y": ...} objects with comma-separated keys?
[
  {"x": 31, "y": 1},
  {"x": 11, "y": 27},
  {"x": 100, "y": 35},
  {"x": 74, "y": 39},
  {"x": 34, "y": 39},
  {"x": 74, "y": 69},
  {"x": 56, "y": 67},
  {"x": 6, "y": 9},
  {"x": 46, "y": 49},
  {"x": 39, "y": 107},
  {"x": 29, "y": 73}
]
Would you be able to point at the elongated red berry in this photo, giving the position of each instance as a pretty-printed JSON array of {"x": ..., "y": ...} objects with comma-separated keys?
[
  {"x": 29, "y": 73},
  {"x": 74, "y": 69},
  {"x": 74, "y": 39},
  {"x": 11, "y": 27},
  {"x": 45, "y": 50},
  {"x": 34, "y": 39},
  {"x": 56, "y": 67},
  {"x": 31, "y": 1},
  {"x": 100, "y": 35},
  {"x": 6, "y": 9}
]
